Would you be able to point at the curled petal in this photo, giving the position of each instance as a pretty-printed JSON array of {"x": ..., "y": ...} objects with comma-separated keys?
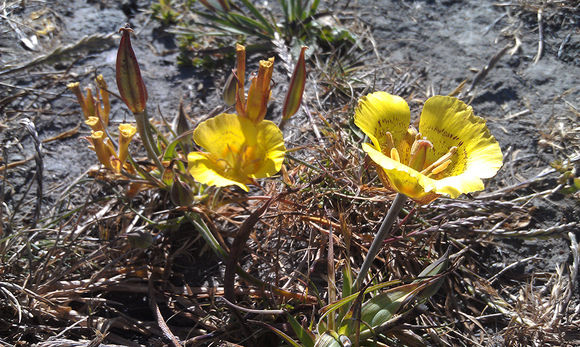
[
  {"x": 403, "y": 179},
  {"x": 381, "y": 112},
  {"x": 207, "y": 170}
]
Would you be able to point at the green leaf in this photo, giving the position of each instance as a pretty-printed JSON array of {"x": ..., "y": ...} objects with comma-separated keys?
[
  {"x": 382, "y": 307},
  {"x": 283, "y": 335},
  {"x": 436, "y": 268},
  {"x": 328, "y": 339},
  {"x": 326, "y": 310},
  {"x": 304, "y": 335},
  {"x": 267, "y": 25}
]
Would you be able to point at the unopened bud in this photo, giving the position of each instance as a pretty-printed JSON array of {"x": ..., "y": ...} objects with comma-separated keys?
[
  {"x": 105, "y": 110},
  {"x": 94, "y": 123},
  {"x": 103, "y": 151},
  {"x": 229, "y": 91},
  {"x": 129, "y": 80},
  {"x": 76, "y": 89},
  {"x": 181, "y": 194},
  {"x": 90, "y": 103},
  {"x": 259, "y": 92},
  {"x": 241, "y": 78},
  {"x": 296, "y": 88},
  {"x": 126, "y": 133}
]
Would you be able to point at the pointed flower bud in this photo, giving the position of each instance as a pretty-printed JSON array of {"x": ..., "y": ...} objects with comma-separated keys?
[
  {"x": 76, "y": 89},
  {"x": 229, "y": 91},
  {"x": 90, "y": 103},
  {"x": 105, "y": 107},
  {"x": 240, "y": 74},
  {"x": 94, "y": 123},
  {"x": 181, "y": 194},
  {"x": 126, "y": 133},
  {"x": 103, "y": 151},
  {"x": 296, "y": 89},
  {"x": 129, "y": 81}
]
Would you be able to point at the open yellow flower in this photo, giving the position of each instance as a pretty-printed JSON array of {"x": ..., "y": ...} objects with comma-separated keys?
[
  {"x": 449, "y": 155},
  {"x": 238, "y": 151}
]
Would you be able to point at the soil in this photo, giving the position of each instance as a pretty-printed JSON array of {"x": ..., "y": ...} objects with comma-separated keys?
[{"x": 530, "y": 104}]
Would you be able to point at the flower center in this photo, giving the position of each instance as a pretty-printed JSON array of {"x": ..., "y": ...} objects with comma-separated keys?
[
  {"x": 241, "y": 161},
  {"x": 418, "y": 154}
]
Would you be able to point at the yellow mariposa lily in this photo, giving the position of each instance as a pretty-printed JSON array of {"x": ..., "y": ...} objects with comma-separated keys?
[
  {"x": 238, "y": 151},
  {"x": 449, "y": 154}
]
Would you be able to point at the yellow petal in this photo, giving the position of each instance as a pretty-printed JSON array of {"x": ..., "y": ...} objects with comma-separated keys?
[
  {"x": 402, "y": 178},
  {"x": 208, "y": 171},
  {"x": 270, "y": 141},
  {"x": 446, "y": 122},
  {"x": 224, "y": 133},
  {"x": 239, "y": 150},
  {"x": 380, "y": 112}
]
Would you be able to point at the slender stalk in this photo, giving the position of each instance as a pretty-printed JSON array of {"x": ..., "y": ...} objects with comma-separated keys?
[
  {"x": 384, "y": 230},
  {"x": 144, "y": 130}
]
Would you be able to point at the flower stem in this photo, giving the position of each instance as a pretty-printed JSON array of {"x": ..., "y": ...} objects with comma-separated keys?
[
  {"x": 384, "y": 230},
  {"x": 144, "y": 129}
]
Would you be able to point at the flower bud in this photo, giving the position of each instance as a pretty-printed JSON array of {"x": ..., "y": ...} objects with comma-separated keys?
[
  {"x": 240, "y": 74},
  {"x": 103, "y": 151},
  {"x": 76, "y": 89},
  {"x": 90, "y": 103},
  {"x": 129, "y": 81},
  {"x": 126, "y": 133},
  {"x": 105, "y": 108},
  {"x": 181, "y": 194},
  {"x": 229, "y": 91},
  {"x": 296, "y": 89},
  {"x": 94, "y": 123},
  {"x": 259, "y": 92}
]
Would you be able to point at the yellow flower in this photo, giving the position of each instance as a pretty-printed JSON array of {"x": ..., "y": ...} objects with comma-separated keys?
[
  {"x": 238, "y": 151},
  {"x": 449, "y": 155}
]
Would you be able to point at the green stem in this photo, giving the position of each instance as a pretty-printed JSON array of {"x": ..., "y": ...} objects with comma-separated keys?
[
  {"x": 384, "y": 230},
  {"x": 144, "y": 129}
]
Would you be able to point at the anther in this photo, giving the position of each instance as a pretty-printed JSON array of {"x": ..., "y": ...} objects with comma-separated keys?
[{"x": 395, "y": 155}]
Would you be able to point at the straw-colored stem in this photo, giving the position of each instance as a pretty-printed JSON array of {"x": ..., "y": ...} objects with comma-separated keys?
[{"x": 384, "y": 230}]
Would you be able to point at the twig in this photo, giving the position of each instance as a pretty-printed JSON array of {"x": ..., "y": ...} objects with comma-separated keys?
[
  {"x": 314, "y": 127},
  {"x": 540, "y": 37},
  {"x": 160, "y": 321},
  {"x": 39, "y": 167},
  {"x": 485, "y": 70},
  {"x": 249, "y": 310},
  {"x": 521, "y": 261}
]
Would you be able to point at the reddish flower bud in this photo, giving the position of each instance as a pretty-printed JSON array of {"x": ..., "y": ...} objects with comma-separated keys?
[
  {"x": 296, "y": 89},
  {"x": 129, "y": 81}
]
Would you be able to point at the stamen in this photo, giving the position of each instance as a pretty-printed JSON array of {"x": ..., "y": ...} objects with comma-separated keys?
[
  {"x": 441, "y": 167},
  {"x": 418, "y": 153},
  {"x": 389, "y": 143},
  {"x": 440, "y": 161},
  {"x": 395, "y": 155}
]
